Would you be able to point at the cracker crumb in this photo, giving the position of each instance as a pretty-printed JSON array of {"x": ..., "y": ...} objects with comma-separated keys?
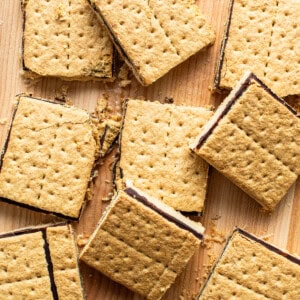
[
  {"x": 105, "y": 199},
  {"x": 266, "y": 237},
  {"x": 109, "y": 124},
  {"x": 82, "y": 240},
  {"x": 125, "y": 76},
  {"x": 216, "y": 217},
  {"x": 3, "y": 121},
  {"x": 62, "y": 94},
  {"x": 169, "y": 100},
  {"x": 215, "y": 237}
]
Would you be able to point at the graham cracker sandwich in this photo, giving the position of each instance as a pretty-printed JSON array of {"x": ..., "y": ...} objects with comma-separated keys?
[
  {"x": 254, "y": 139},
  {"x": 262, "y": 36},
  {"x": 40, "y": 263},
  {"x": 154, "y": 36},
  {"x": 155, "y": 154},
  {"x": 64, "y": 39},
  {"x": 142, "y": 243},
  {"x": 250, "y": 268},
  {"x": 47, "y": 160}
]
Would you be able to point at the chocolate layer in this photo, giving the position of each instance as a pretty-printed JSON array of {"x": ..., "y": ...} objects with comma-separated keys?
[
  {"x": 235, "y": 97},
  {"x": 134, "y": 194},
  {"x": 50, "y": 266},
  {"x": 43, "y": 230},
  {"x": 272, "y": 248},
  {"x": 223, "y": 47},
  {"x": 30, "y": 230},
  {"x": 23, "y": 8}
]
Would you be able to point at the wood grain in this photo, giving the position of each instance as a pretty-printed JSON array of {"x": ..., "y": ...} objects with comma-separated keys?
[{"x": 189, "y": 83}]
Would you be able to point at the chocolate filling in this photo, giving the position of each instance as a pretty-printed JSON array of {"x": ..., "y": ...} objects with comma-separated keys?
[
  {"x": 134, "y": 194},
  {"x": 233, "y": 100},
  {"x": 223, "y": 47},
  {"x": 50, "y": 266},
  {"x": 43, "y": 230}
]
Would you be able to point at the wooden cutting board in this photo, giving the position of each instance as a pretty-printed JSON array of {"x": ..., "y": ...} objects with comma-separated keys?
[{"x": 190, "y": 84}]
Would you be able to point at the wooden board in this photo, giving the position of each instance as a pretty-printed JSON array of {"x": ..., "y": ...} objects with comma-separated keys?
[{"x": 226, "y": 206}]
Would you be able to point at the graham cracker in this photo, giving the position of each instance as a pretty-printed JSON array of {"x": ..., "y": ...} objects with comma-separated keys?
[
  {"x": 254, "y": 140},
  {"x": 48, "y": 158},
  {"x": 64, "y": 39},
  {"x": 154, "y": 36},
  {"x": 250, "y": 268},
  {"x": 40, "y": 263},
  {"x": 142, "y": 243},
  {"x": 155, "y": 154},
  {"x": 262, "y": 36}
]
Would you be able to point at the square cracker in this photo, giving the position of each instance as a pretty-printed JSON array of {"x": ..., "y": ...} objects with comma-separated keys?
[
  {"x": 48, "y": 158},
  {"x": 250, "y": 268},
  {"x": 262, "y": 36},
  {"x": 155, "y": 154},
  {"x": 33, "y": 267},
  {"x": 142, "y": 243},
  {"x": 154, "y": 36},
  {"x": 64, "y": 39},
  {"x": 254, "y": 140}
]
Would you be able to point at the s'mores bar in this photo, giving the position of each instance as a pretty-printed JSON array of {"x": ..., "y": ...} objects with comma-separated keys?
[
  {"x": 48, "y": 157},
  {"x": 155, "y": 154},
  {"x": 254, "y": 139},
  {"x": 154, "y": 36},
  {"x": 142, "y": 243},
  {"x": 262, "y": 36},
  {"x": 250, "y": 268},
  {"x": 64, "y": 39},
  {"x": 33, "y": 267}
]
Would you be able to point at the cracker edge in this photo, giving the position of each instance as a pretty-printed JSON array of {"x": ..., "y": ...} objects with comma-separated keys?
[
  {"x": 29, "y": 74},
  {"x": 219, "y": 65},
  {"x": 249, "y": 236},
  {"x": 93, "y": 171}
]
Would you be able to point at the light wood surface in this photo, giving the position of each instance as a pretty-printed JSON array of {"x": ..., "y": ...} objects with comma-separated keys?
[{"x": 190, "y": 83}]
